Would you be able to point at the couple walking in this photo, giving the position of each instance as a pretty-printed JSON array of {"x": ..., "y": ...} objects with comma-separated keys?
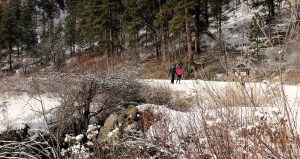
[{"x": 176, "y": 71}]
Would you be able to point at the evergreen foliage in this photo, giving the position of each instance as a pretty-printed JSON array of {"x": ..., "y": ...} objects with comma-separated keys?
[
  {"x": 256, "y": 35},
  {"x": 167, "y": 28}
]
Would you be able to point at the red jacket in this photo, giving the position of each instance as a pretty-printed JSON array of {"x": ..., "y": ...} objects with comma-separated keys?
[{"x": 179, "y": 71}]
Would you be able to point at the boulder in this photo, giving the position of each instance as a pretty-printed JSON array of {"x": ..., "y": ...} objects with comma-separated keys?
[
  {"x": 109, "y": 125},
  {"x": 119, "y": 126}
]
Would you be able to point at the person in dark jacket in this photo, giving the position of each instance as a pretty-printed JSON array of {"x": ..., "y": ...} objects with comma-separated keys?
[{"x": 172, "y": 73}]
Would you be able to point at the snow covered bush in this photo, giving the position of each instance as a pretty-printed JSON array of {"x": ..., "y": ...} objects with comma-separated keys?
[{"x": 80, "y": 146}]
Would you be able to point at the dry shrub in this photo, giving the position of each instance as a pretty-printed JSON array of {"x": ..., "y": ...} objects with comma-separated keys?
[
  {"x": 148, "y": 118},
  {"x": 182, "y": 103},
  {"x": 157, "y": 95},
  {"x": 95, "y": 63},
  {"x": 91, "y": 95},
  {"x": 85, "y": 63},
  {"x": 236, "y": 96},
  {"x": 274, "y": 139},
  {"x": 241, "y": 94},
  {"x": 155, "y": 69},
  {"x": 267, "y": 135},
  {"x": 160, "y": 95},
  {"x": 210, "y": 71},
  {"x": 292, "y": 76}
]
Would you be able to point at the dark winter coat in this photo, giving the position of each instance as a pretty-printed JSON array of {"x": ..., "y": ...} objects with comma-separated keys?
[{"x": 172, "y": 70}]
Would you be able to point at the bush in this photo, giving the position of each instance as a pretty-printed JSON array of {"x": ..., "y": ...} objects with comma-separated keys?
[
  {"x": 91, "y": 99},
  {"x": 157, "y": 95}
]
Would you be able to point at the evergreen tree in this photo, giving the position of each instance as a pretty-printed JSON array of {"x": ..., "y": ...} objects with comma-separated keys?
[
  {"x": 28, "y": 34},
  {"x": 268, "y": 5},
  {"x": 47, "y": 14},
  {"x": 217, "y": 13},
  {"x": 111, "y": 10},
  {"x": 142, "y": 15},
  {"x": 9, "y": 33},
  {"x": 183, "y": 17},
  {"x": 71, "y": 33},
  {"x": 202, "y": 23},
  {"x": 162, "y": 24},
  {"x": 255, "y": 35},
  {"x": 90, "y": 10}
]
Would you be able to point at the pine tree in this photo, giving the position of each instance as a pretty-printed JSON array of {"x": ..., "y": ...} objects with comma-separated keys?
[
  {"x": 47, "y": 13},
  {"x": 217, "y": 13},
  {"x": 111, "y": 25},
  {"x": 71, "y": 33},
  {"x": 255, "y": 35},
  {"x": 268, "y": 5},
  {"x": 27, "y": 25},
  {"x": 9, "y": 33},
  {"x": 201, "y": 12},
  {"x": 88, "y": 23},
  {"x": 184, "y": 17},
  {"x": 161, "y": 22}
]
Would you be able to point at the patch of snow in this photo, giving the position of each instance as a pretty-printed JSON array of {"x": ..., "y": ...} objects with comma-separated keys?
[
  {"x": 110, "y": 134},
  {"x": 79, "y": 137},
  {"x": 16, "y": 111}
]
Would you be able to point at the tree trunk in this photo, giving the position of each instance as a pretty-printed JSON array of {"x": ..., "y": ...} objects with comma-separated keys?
[
  {"x": 107, "y": 49},
  {"x": 221, "y": 40},
  {"x": 161, "y": 35},
  {"x": 10, "y": 57},
  {"x": 188, "y": 36},
  {"x": 198, "y": 25},
  {"x": 157, "y": 50},
  {"x": 206, "y": 13},
  {"x": 111, "y": 46},
  {"x": 271, "y": 8}
]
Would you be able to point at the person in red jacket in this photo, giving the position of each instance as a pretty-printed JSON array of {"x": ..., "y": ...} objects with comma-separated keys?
[{"x": 179, "y": 73}]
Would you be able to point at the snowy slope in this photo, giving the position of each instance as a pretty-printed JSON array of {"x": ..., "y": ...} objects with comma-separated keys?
[{"x": 235, "y": 29}]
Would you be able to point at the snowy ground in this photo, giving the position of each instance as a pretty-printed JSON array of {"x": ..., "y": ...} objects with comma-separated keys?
[
  {"x": 185, "y": 123},
  {"x": 23, "y": 109},
  {"x": 18, "y": 110}
]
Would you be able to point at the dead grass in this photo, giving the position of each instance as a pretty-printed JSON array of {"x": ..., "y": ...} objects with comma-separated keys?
[
  {"x": 210, "y": 71},
  {"x": 292, "y": 76},
  {"x": 243, "y": 95},
  {"x": 84, "y": 63},
  {"x": 155, "y": 69},
  {"x": 95, "y": 63},
  {"x": 182, "y": 103},
  {"x": 148, "y": 118}
]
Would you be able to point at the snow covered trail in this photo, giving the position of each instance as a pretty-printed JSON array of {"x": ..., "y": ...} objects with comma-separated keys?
[{"x": 187, "y": 86}]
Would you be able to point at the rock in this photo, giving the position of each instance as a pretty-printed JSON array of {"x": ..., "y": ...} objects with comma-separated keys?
[
  {"x": 119, "y": 126},
  {"x": 108, "y": 126},
  {"x": 128, "y": 116}
]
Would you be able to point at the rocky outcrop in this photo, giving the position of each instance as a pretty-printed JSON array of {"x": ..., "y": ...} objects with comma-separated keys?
[{"x": 121, "y": 125}]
